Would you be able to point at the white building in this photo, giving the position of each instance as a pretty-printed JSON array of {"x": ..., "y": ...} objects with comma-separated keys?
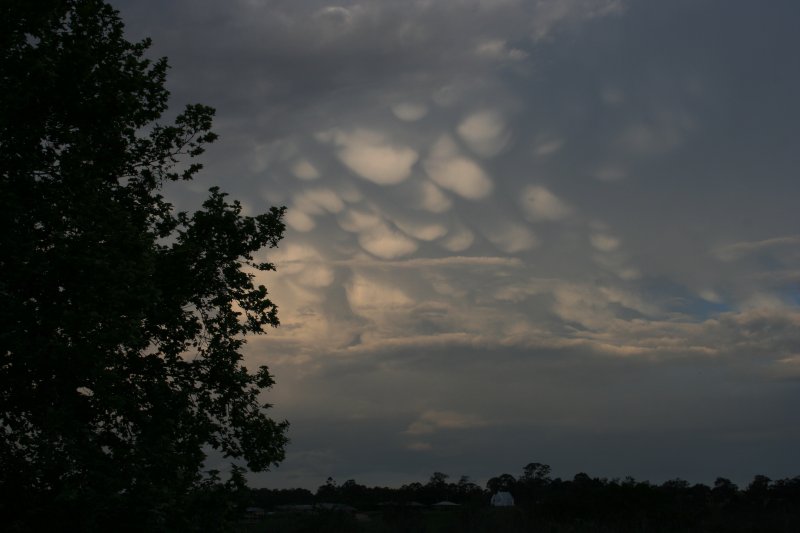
[{"x": 502, "y": 499}]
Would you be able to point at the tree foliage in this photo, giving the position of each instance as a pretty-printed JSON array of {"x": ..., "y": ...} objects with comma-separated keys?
[
  {"x": 122, "y": 321},
  {"x": 541, "y": 503}
]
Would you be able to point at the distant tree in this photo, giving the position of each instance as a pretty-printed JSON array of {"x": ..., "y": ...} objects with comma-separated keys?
[
  {"x": 536, "y": 473},
  {"x": 437, "y": 489},
  {"x": 725, "y": 492},
  {"x": 329, "y": 492},
  {"x": 438, "y": 479},
  {"x": 535, "y": 477},
  {"x": 786, "y": 493},
  {"x": 412, "y": 491},
  {"x": 584, "y": 480},
  {"x": 354, "y": 493},
  {"x": 760, "y": 484},
  {"x": 675, "y": 485},
  {"x": 467, "y": 489},
  {"x": 758, "y": 491},
  {"x": 263, "y": 497},
  {"x": 122, "y": 322},
  {"x": 503, "y": 482}
]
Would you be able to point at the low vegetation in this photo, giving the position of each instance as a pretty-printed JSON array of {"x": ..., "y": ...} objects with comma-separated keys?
[{"x": 542, "y": 503}]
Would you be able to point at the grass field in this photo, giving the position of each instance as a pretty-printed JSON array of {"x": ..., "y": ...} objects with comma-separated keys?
[{"x": 458, "y": 520}]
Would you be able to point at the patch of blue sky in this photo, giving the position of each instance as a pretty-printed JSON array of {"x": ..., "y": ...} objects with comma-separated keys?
[{"x": 676, "y": 298}]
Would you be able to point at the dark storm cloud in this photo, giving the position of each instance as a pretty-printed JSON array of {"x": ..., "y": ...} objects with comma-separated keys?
[
  {"x": 558, "y": 230},
  {"x": 666, "y": 418}
]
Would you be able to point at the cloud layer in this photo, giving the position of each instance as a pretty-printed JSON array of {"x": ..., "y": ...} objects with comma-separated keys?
[{"x": 559, "y": 230}]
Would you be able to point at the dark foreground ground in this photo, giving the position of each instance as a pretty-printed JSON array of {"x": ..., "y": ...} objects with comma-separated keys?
[{"x": 487, "y": 519}]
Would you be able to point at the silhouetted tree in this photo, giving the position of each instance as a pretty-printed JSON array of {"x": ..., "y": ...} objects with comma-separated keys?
[
  {"x": 355, "y": 494},
  {"x": 437, "y": 488},
  {"x": 468, "y": 492},
  {"x": 122, "y": 322},
  {"x": 583, "y": 503},
  {"x": 529, "y": 487},
  {"x": 438, "y": 479},
  {"x": 503, "y": 482},
  {"x": 536, "y": 473},
  {"x": 329, "y": 492},
  {"x": 725, "y": 492},
  {"x": 759, "y": 485},
  {"x": 273, "y": 497}
]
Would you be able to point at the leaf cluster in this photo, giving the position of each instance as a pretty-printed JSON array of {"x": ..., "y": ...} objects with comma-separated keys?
[{"x": 122, "y": 321}]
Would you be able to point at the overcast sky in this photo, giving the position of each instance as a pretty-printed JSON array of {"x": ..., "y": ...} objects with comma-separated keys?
[{"x": 562, "y": 231}]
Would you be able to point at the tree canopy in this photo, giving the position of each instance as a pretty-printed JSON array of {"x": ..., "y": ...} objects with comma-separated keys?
[
  {"x": 541, "y": 503},
  {"x": 122, "y": 321}
]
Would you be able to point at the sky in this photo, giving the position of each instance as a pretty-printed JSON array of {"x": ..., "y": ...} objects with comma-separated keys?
[{"x": 557, "y": 231}]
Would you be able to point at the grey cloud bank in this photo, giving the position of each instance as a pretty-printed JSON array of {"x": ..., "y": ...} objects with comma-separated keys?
[{"x": 560, "y": 231}]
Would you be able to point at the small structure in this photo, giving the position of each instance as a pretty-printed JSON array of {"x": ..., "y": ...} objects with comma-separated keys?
[
  {"x": 502, "y": 499},
  {"x": 338, "y": 507},
  {"x": 445, "y": 503}
]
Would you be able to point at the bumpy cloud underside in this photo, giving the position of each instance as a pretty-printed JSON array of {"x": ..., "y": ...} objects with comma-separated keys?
[{"x": 552, "y": 230}]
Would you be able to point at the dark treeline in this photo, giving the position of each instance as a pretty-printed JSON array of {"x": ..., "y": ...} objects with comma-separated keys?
[{"x": 583, "y": 503}]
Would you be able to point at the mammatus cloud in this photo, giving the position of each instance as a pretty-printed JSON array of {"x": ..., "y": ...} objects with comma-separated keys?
[
  {"x": 485, "y": 133},
  {"x": 318, "y": 201},
  {"x": 378, "y": 236},
  {"x": 304, "y": 170},
  {"x": 304, "y": 266},
  {"x": 420, "y": 230},
  {"x": 299, "y": 221},
  {"x": 310, "y": 203},
  {"x": 604, "y": 242},
  {"x": 449, "y": 169},
  {"x": 611, "y": 173},
  {"x": 409, "y": 111},
  {"x": 433, "y": 199},
  {"x": 366, "y": 296},
  {"x": 549, "y": 15},
  {"x": 386, "y": 243},
  {"x": 540, "y": 204},
  {"x": 448, "y": 261},
  {"x": 511, "y": 237},
  {"x": 369, "y": 155},
  {"x": 547, "y": 146},
  {"x": 458, "y": 240},
  {"x": 491, "y": 217},
  {"x": 498, "y": 50}
]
